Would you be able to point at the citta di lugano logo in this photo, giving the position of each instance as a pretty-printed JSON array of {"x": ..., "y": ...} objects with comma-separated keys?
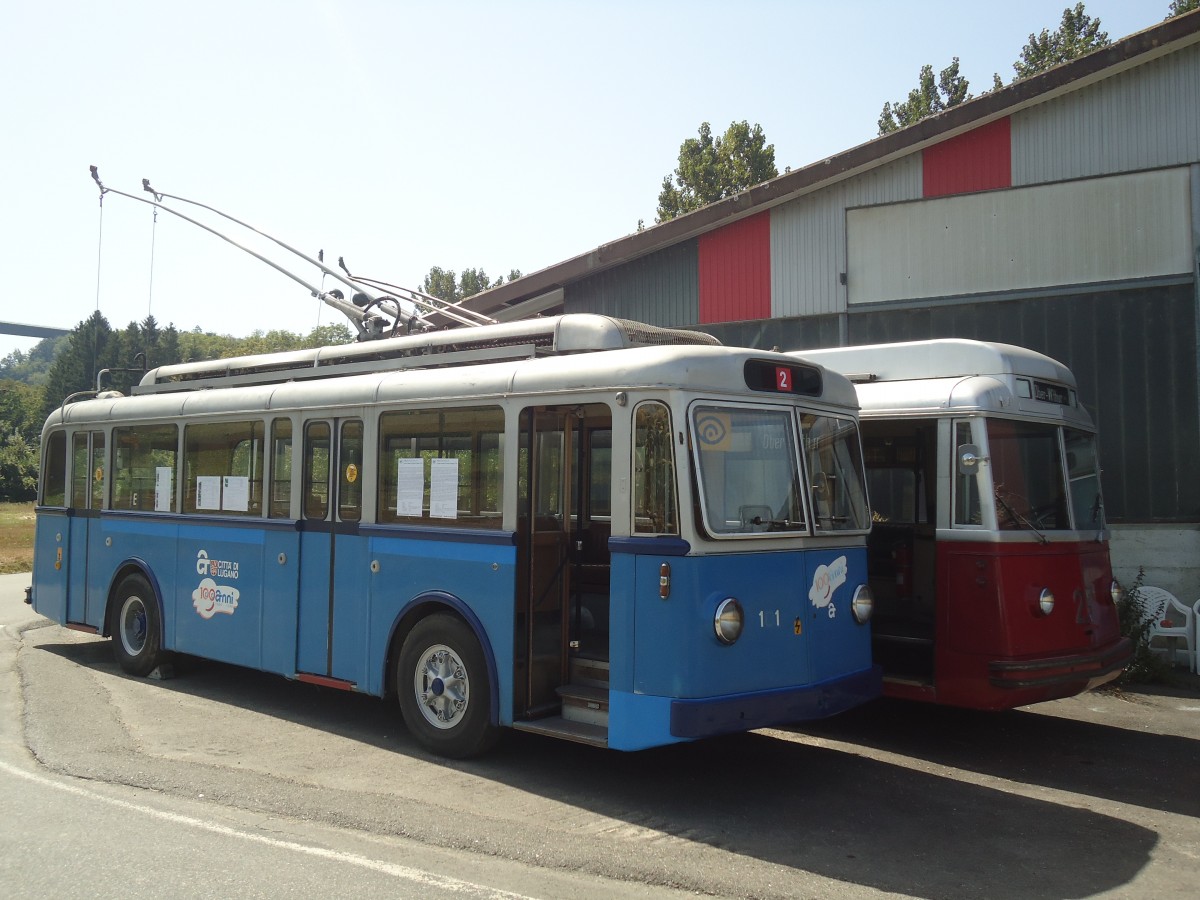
[
  {"x": 826, "y": 581},
  {"x": 210, "y": 598}
]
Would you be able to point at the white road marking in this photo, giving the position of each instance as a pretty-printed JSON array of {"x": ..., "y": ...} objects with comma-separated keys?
[{"x": 417, "y": 876}]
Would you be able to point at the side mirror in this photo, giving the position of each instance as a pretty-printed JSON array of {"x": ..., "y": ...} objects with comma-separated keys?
[{"x": 969, "y": 459}]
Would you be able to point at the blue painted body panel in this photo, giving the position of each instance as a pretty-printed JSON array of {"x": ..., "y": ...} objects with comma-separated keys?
[
  {"x": 482, "y": 576},
  {"x": 663, "y": 650},
  {"x": 255, "y": 593},
  {"x": 51, "y": 572}
]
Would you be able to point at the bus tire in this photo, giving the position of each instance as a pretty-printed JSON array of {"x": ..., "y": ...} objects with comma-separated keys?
[
  {"x": 444, "y": 689},
  {"x": 136, "y": 627}
]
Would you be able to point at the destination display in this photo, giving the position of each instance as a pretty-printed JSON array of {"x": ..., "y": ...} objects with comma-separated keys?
[{"x": 762, "y": 375}]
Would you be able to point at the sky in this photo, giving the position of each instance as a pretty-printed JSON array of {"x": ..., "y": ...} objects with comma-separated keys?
[{"x": 406, "y": 135}]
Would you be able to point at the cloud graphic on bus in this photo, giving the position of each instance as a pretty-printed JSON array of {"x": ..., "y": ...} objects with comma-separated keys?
[
  {"x": 826, "y": 581},
  {"x": 211, "y": 598}
]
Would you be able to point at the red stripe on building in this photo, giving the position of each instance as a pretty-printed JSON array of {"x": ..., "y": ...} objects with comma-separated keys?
[
  {"x": 980, "y": 160},
  {"x": 735, "y": 271}
]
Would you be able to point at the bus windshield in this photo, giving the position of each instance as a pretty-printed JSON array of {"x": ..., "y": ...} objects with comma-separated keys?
[
  {"x": 1027, "y": 476},
  {"x": 835, "y": 466},
  {"x": 1083, "y": 471},
  {"x": 750, "y": 471}
]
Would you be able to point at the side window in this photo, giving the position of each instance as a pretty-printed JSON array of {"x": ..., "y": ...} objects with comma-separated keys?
[
  {"x": 655, "y": 507},
  {"x": 316, "y": 470},
  {"x": 97, "y": 469},
  {"x": 144, "y": 467},
  {"x": 350, "y": 464},
  {"x": 54, "y": 470},
  {"x": 80, "y": 470},
  {"x": 87, "y": 470},
  {"x": 442, "y": 467},
  {"x": 966, "y": 486},
  {"x": 223, "y": 468},
  {"x": 599, "y": 473},
  {"x": 281, "y": 469}
]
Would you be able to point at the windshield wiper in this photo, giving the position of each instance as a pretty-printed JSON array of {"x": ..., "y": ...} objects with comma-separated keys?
[{"x": 1018, "y": 518}]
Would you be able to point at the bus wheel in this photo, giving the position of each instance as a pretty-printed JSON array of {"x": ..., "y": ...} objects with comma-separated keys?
[
  {"x": 444, "y": 690},
  {"x": 135, "y": 628}
]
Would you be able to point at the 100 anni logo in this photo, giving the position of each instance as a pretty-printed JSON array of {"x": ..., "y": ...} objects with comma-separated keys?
[{"x": 210, "y": 598}]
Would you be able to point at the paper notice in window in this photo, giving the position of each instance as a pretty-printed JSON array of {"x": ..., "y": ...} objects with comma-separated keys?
[
  {"x": 164, "y": 482},
  {"x": 208, "y": 492},
  {"x": 410, "y": 486},
  {"x": 236, "y": 493},
  {"x": 443, "y": 488}
]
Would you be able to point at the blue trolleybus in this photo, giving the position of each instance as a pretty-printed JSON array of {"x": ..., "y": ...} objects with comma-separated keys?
[{"x": 602, "y": 531}]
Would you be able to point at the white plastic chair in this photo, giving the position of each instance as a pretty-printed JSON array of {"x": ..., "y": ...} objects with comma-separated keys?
[
  {"x": 1170, "y": 622},
  {"x": 1196, "y": 626}
]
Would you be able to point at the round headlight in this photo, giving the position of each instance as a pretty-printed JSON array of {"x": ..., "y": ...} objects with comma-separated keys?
[
  {"x": 1116, "y": 591},
  {"x": 728, "y": 621},
  {"x": 863, "y": 604},
  {"x": 1046, "y": 601}
]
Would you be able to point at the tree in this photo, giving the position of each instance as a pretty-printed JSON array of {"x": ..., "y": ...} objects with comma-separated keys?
[
  {"x": 20, "y": 426},
  {"x": 928, "y": 98},
  {"x": 18, "y": 468},
  {"x": 446, "y": 285},
  {"x": 1077, "y": 35},
  {"x": 1179, "y": 7},
  {"x": 33, "y": 366},
  {"x": 713, "y": 169}
]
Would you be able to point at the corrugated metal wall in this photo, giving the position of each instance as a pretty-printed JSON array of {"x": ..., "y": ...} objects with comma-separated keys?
[
  {"x": 1135, "y": 357},
  {"x": 980, "y": 160},
  {"x": 786, "y": 334},
  {"x": 735, "y": 271},
  {"x": 659, "y": 289},
  {"x": 1143, "y": 118},
  {"x": 808, "y": 238},
  {"x": 1111, "y": 229}
]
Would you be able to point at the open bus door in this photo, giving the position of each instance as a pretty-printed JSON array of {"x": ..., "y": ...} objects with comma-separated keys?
[
  {"x": 563, "y": 557},
  {"x": 901, "y": 457},
  {"x": 546, "y": 436}
]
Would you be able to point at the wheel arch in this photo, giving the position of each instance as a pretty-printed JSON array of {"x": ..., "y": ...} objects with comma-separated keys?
[
  {"x": 133, "y": 566},
  {"x": 424, "y": 605}
]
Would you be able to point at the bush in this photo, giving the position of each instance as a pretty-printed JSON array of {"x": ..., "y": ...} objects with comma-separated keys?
[{"x": 1145, "y": 667}]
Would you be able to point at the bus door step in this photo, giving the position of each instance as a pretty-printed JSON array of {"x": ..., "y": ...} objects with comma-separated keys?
[
  {"x": 559, "y": 727},
  {"x": 587, "y": 671},
  {"x": 584, "y": 703}
]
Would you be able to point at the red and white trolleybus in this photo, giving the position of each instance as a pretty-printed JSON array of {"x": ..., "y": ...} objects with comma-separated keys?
[{"x": 988, "y": 555}]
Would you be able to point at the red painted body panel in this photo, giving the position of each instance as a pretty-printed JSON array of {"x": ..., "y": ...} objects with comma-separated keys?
[
  {"x": 980, "y": 160},
  {"x": 994, "y": 649},
  {"x": 735, "y": 271}
]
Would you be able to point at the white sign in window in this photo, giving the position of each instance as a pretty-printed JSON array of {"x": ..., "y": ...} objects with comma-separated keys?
[
  {"x": 410, "y": 486},
  {"x": 208, "y": 492},
  {"x": 236, "y": 493},
  {"x": 443, "y": 488},
  {"x": 164, "y": 484}
]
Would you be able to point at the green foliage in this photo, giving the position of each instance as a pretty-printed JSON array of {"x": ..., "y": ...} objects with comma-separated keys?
[
  {"x": 446, "y": 285},
  {"x": 1077, "y": 35},
  {"x": 20, "y": 430},
  {"x": 1179, "y": 7},
  {"x": 928, "y": 98},
  {"x": 711, "y": 169},
  {"x": 1145, "y": 667},
  {"x": 18, "y": 468},
  {"x": 32, "y": 367}
]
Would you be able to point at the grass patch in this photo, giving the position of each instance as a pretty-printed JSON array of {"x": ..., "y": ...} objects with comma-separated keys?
[{"x": 16, "y": 537}]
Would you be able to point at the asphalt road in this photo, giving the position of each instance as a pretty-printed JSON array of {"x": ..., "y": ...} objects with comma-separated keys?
[{"x": 250, "y": 785}]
